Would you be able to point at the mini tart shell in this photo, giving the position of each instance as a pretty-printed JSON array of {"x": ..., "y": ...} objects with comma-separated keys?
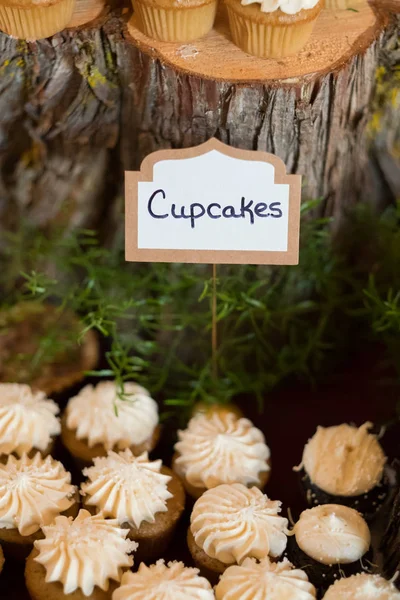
[
  {"x": 173, "y": 21},
  {"x": 18, "y": 546},
  {"x": 270, "y": 35},
  {"x": 83, "y": 454},
  {"x": 21, "y": 322},
  {"x": 195, "y": 492},
  {"x": 46, "y": 452},
  {"x": 35, "y": 580},
  {"x": 210, "y": 568},
  {"x": 154, "y": 538}
]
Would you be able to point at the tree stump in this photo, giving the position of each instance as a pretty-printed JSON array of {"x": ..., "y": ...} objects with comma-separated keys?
[{"x": 80, "y": 108}]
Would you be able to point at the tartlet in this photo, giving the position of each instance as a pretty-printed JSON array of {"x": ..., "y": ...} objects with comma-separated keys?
[
  {"x": 78, "y": 559},
  {"x": 167, "y": 582},
  {"x": 97, "y": 420},
  {"x": 143, "y": 496},
  {"x": 330, "y": 541},
  {"x": 345, "y": 465},
  {"x": 272, "y": 28},
  {"x": 264, "y": 580},
  {"x": 362, "y": 587},
  {"x": 175, "y": 20},
  {"x": 232, "y": 522},
  {"x": 28, "y": 421},
  {"x": 217, "y": 448},
  {"x": 62, "y": 362},
  {"x": 33, "y": 491}
]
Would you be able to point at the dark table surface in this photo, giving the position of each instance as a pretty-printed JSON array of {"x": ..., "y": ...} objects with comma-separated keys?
[{"x": 356, "y": 393}]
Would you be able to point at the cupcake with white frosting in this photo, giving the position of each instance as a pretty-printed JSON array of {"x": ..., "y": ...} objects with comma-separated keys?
[
  {"x": 330, "y": 541},
  {"x": 219, "y": 448},
  {"x": 164, "y": 582},
  {"x": 82, "y": 558},
  {"x": 264, "y": 580},
  {"x": 232, "y": 522},
  {"x": 98, "y": 420},
  {"x": 33, "y": 491},
  {"x": 345, "y": 465},
  {"x": 28, "y": 421},
  {"x": 142, "y": 495},
  {"x": 272, "y": 28},
  {"x": 362, "y": 587}
]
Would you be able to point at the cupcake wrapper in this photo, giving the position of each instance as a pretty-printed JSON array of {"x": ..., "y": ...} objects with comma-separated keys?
[
  {"x": 323, "y": 576},
  {"x": 36, "y": 23},
  {"x": 367, "y": 504},
  {"x": 175, "y": 25},
  {"x": 265, "y": 40}
]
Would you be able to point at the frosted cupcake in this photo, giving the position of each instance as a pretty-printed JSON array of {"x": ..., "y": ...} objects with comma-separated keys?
[
  {"x": 83, "y": 559},
  {"x": 143, "y": 496},
  {"x": 32, "y": 21},
  {"x": 33, "y": 491},
  {"x": 328, "y": 542},
  {"x": 219, "y": 448},
  {"x": 272, "y": 28},
  {"x": 175, "y": 20},
  {"x": 362, "y": 587},
  {"x": 23, "y": 329},
  {"x": 264, "y": 580},
  {"x": 97, "y": 420},
  {"x": 164, "y": 582},
  {"x": 28, "y": 421},
  {"x": 345, "y": 465},
  {"x": 232, "y": 522}
]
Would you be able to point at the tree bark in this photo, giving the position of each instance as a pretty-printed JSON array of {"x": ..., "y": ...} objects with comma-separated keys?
[{"x": 80, "y": 108}]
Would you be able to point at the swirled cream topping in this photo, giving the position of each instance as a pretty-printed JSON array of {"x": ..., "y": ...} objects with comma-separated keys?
[
  {"x": 220, "y": 448},
  {"x": 344, "y": 460},
  {"x": 332, "y": 534},
  {"x": 362, "y": 587},
  {"x": 264, "y": 580},
  {"x": 33, "y": 491},
  {"x": 164, "y": 582},
  {"x": 27, "y": 419},
  {"x": 100, "y": 417},
  {"x": 127, "y": 488},
  {"x": 85, "y": 552},
  {"x": 232, "y": 522},
  {"x": 290, "y": 7}
]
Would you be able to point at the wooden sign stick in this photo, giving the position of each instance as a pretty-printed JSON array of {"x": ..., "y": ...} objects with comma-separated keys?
[{"x": 214, "y": 330}]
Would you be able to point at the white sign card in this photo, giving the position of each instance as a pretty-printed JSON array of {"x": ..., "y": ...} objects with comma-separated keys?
[{"x": 212, "y": 204}]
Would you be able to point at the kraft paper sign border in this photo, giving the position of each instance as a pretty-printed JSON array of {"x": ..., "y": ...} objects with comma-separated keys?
[{"x": 132, "y": 179}]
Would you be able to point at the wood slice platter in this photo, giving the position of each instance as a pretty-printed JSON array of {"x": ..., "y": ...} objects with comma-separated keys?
[{"x": 338, "y": 36}]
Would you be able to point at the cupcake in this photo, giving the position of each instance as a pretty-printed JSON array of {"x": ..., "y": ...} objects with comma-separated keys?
[
  {"x": 362, "y": 587},
  {"x": 143, "y": 496},
  {"x": 264, "y": 580},
  {"x": 219, "y": 448},
  {"x": 232, "y": 522},
  {"x": 33, "y": 491},
  {"x": 175, "y": 20},
  {"x": 97, "y": 420},
  {"x": 38, "y": 343},
  {"x": 272, "y": 28},
  {"x": 30, "y": 20},
  {"x": 28, "y": 421},
  {"x": 164, "y": 582},
  {"x": 328, "y": 542},
  {"x": 345, "y": 465},
  {"x": 82, "y": 558}
]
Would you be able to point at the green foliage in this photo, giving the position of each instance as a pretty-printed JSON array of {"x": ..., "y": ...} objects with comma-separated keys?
[{"x": 273, "y": 323}]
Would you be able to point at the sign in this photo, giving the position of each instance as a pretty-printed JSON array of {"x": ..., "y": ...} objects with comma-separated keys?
[{"x": 212, "y": 204}]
